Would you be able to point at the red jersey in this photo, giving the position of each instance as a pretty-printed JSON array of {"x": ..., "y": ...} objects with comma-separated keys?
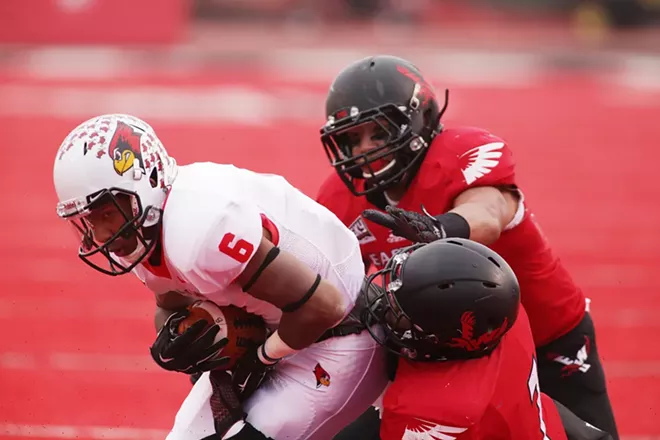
[
  {"x": 458, "y": 159},
  {"x": 492, "y": 398}
]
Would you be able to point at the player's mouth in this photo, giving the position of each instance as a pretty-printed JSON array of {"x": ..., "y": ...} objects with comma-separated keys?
[
  {"x": 378, "y": 166},
  {"x": 120, "y": 248}
]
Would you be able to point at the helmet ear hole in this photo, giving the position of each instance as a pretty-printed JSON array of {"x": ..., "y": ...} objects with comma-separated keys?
[
  {"x": 494, "y": 261},
  {"x": 153, "y": 178}
]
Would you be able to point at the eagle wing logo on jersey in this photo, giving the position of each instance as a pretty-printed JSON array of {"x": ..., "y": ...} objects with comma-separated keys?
[
  {"x": 322, "y": 376},
  {"x": 573, "y": 365},
  {"x": 468, "y": 342},
  {"x": 124, "y": 148},
  {"x": 425, "y": 430},
  {"x": 361, "y": 231},
  {"x": 479, "y": 161}
]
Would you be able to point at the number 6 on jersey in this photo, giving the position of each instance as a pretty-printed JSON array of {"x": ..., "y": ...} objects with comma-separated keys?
[{"x": 239, "y": 250}]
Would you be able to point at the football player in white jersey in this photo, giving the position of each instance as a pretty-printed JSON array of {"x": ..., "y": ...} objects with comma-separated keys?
[{"x": 232, "y": 236}]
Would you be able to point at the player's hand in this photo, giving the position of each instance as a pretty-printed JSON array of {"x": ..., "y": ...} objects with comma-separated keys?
[
  {"x": 190, "y": 352},
  {"x": 225, "y": 403},
  {"x": 416, "y": 227},
  {"x": 249, "y": 372}
]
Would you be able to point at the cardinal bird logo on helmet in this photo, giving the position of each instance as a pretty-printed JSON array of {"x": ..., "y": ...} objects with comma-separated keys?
[
  {"x": 322, "y": 376},
  {"x": 125, "y": 147}
]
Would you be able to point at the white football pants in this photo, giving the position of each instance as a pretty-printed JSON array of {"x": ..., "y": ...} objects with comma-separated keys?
[{"x": 312, "y": 395}]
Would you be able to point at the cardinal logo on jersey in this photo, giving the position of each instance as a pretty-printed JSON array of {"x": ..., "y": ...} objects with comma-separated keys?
[
  {"x": 578, "y": 363},
  {"x": 419, "y": 429},
  {"x": 479, "y": 161},
  {"x": 361, "y": 231},
  {"x": 124, "y": 148},
  {"x": 322, "y": 376},
  {"x": 469, "y": 342}
]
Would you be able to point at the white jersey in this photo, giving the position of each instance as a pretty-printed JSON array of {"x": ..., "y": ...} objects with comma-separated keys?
[{"x": 213, "y": 223}]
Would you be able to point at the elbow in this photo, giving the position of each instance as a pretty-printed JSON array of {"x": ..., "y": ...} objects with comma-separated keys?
[
  {"x": 335, "y": 306},
  {"x": 325, "y": 309},
  {"x": 339, "y": 312},
  {"x": 487, "y": 231}
]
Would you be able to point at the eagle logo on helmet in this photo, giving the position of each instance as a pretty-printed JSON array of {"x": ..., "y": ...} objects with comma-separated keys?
[
  {"x": 425, "y": 93},
  {"x": 124, "y": 147},
  {"x": 468, "y": 342}
]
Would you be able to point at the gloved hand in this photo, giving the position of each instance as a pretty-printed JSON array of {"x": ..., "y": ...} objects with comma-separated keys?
[
  {"x": 416, "y": 227},
  {"x": 251, "y": 370},
  {"x": 193, "y": 351}
]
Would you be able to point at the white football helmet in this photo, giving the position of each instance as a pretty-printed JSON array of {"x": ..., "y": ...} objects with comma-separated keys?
[{"x": 101, "y": 158}]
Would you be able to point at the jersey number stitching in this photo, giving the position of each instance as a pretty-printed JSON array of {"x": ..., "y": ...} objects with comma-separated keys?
[{"x": 239, "y": 251}]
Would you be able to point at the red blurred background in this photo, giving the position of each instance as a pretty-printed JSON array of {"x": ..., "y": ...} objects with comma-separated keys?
[{"x": 574, "y": 86}]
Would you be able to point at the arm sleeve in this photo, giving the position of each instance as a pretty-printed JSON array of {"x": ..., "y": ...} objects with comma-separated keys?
[
  {"x": 230, "y": 242},
  {"x": 482, "y": 160}
]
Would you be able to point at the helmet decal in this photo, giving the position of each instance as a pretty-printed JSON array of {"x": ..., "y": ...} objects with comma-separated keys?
[
  {"x": 125, "y": 148},
  {"x": 96, "y": 130},
  {"x": 425, "y": 92}
]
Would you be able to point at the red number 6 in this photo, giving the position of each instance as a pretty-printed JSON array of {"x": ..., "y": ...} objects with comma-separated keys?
[{"x": 239, "y": 251}]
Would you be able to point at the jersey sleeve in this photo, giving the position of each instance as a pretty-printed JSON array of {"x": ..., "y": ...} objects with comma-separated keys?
[
  {"x": 481, "y": 159},
  {"x": 230, "y": 241}
]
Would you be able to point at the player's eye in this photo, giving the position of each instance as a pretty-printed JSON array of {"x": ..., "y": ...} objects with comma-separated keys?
[
  {"x": 352, "y": 140},
  {"x": 380, "y": 135},
  {"x": 345, "y": 144}
]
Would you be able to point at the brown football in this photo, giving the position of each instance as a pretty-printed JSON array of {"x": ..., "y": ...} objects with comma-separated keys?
[{"x": 243, "y": 329}]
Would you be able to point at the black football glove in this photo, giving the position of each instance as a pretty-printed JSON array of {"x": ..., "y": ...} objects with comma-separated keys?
[
  {"x": 416, "y": 227},
  {"x": 249, "y": 372},
  {"x": 191, "y": 352},
  {"x": 225, "y": 403}
]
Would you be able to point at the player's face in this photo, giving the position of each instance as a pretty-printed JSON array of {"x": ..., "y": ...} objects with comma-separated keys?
[
  {"x": 397, "y": 320},
  {"x": 364, "y": 139},
  {"x": 107, "y": 219}
]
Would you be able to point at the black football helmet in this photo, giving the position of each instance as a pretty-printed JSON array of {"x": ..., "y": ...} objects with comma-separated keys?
[
  {"x": 392, "y": 93},
  {"x": 447, "y": 300}
]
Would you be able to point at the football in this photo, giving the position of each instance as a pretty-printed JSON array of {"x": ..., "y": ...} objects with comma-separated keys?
[{"x": 243, "y": 329}]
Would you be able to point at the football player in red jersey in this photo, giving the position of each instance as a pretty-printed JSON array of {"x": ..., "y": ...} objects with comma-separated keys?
[
  {"x": 392, "y": 155},
  {"x": 452, "y": 310}
]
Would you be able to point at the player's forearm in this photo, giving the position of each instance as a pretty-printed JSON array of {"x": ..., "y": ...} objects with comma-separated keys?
[
  {"x": 166, "y": 304},
  {"x": 485, "y": 226},
  {"x": 487, "y": 211},
  {"x": 160, "y": 317},
  {"x": 325, "y": 309}
]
